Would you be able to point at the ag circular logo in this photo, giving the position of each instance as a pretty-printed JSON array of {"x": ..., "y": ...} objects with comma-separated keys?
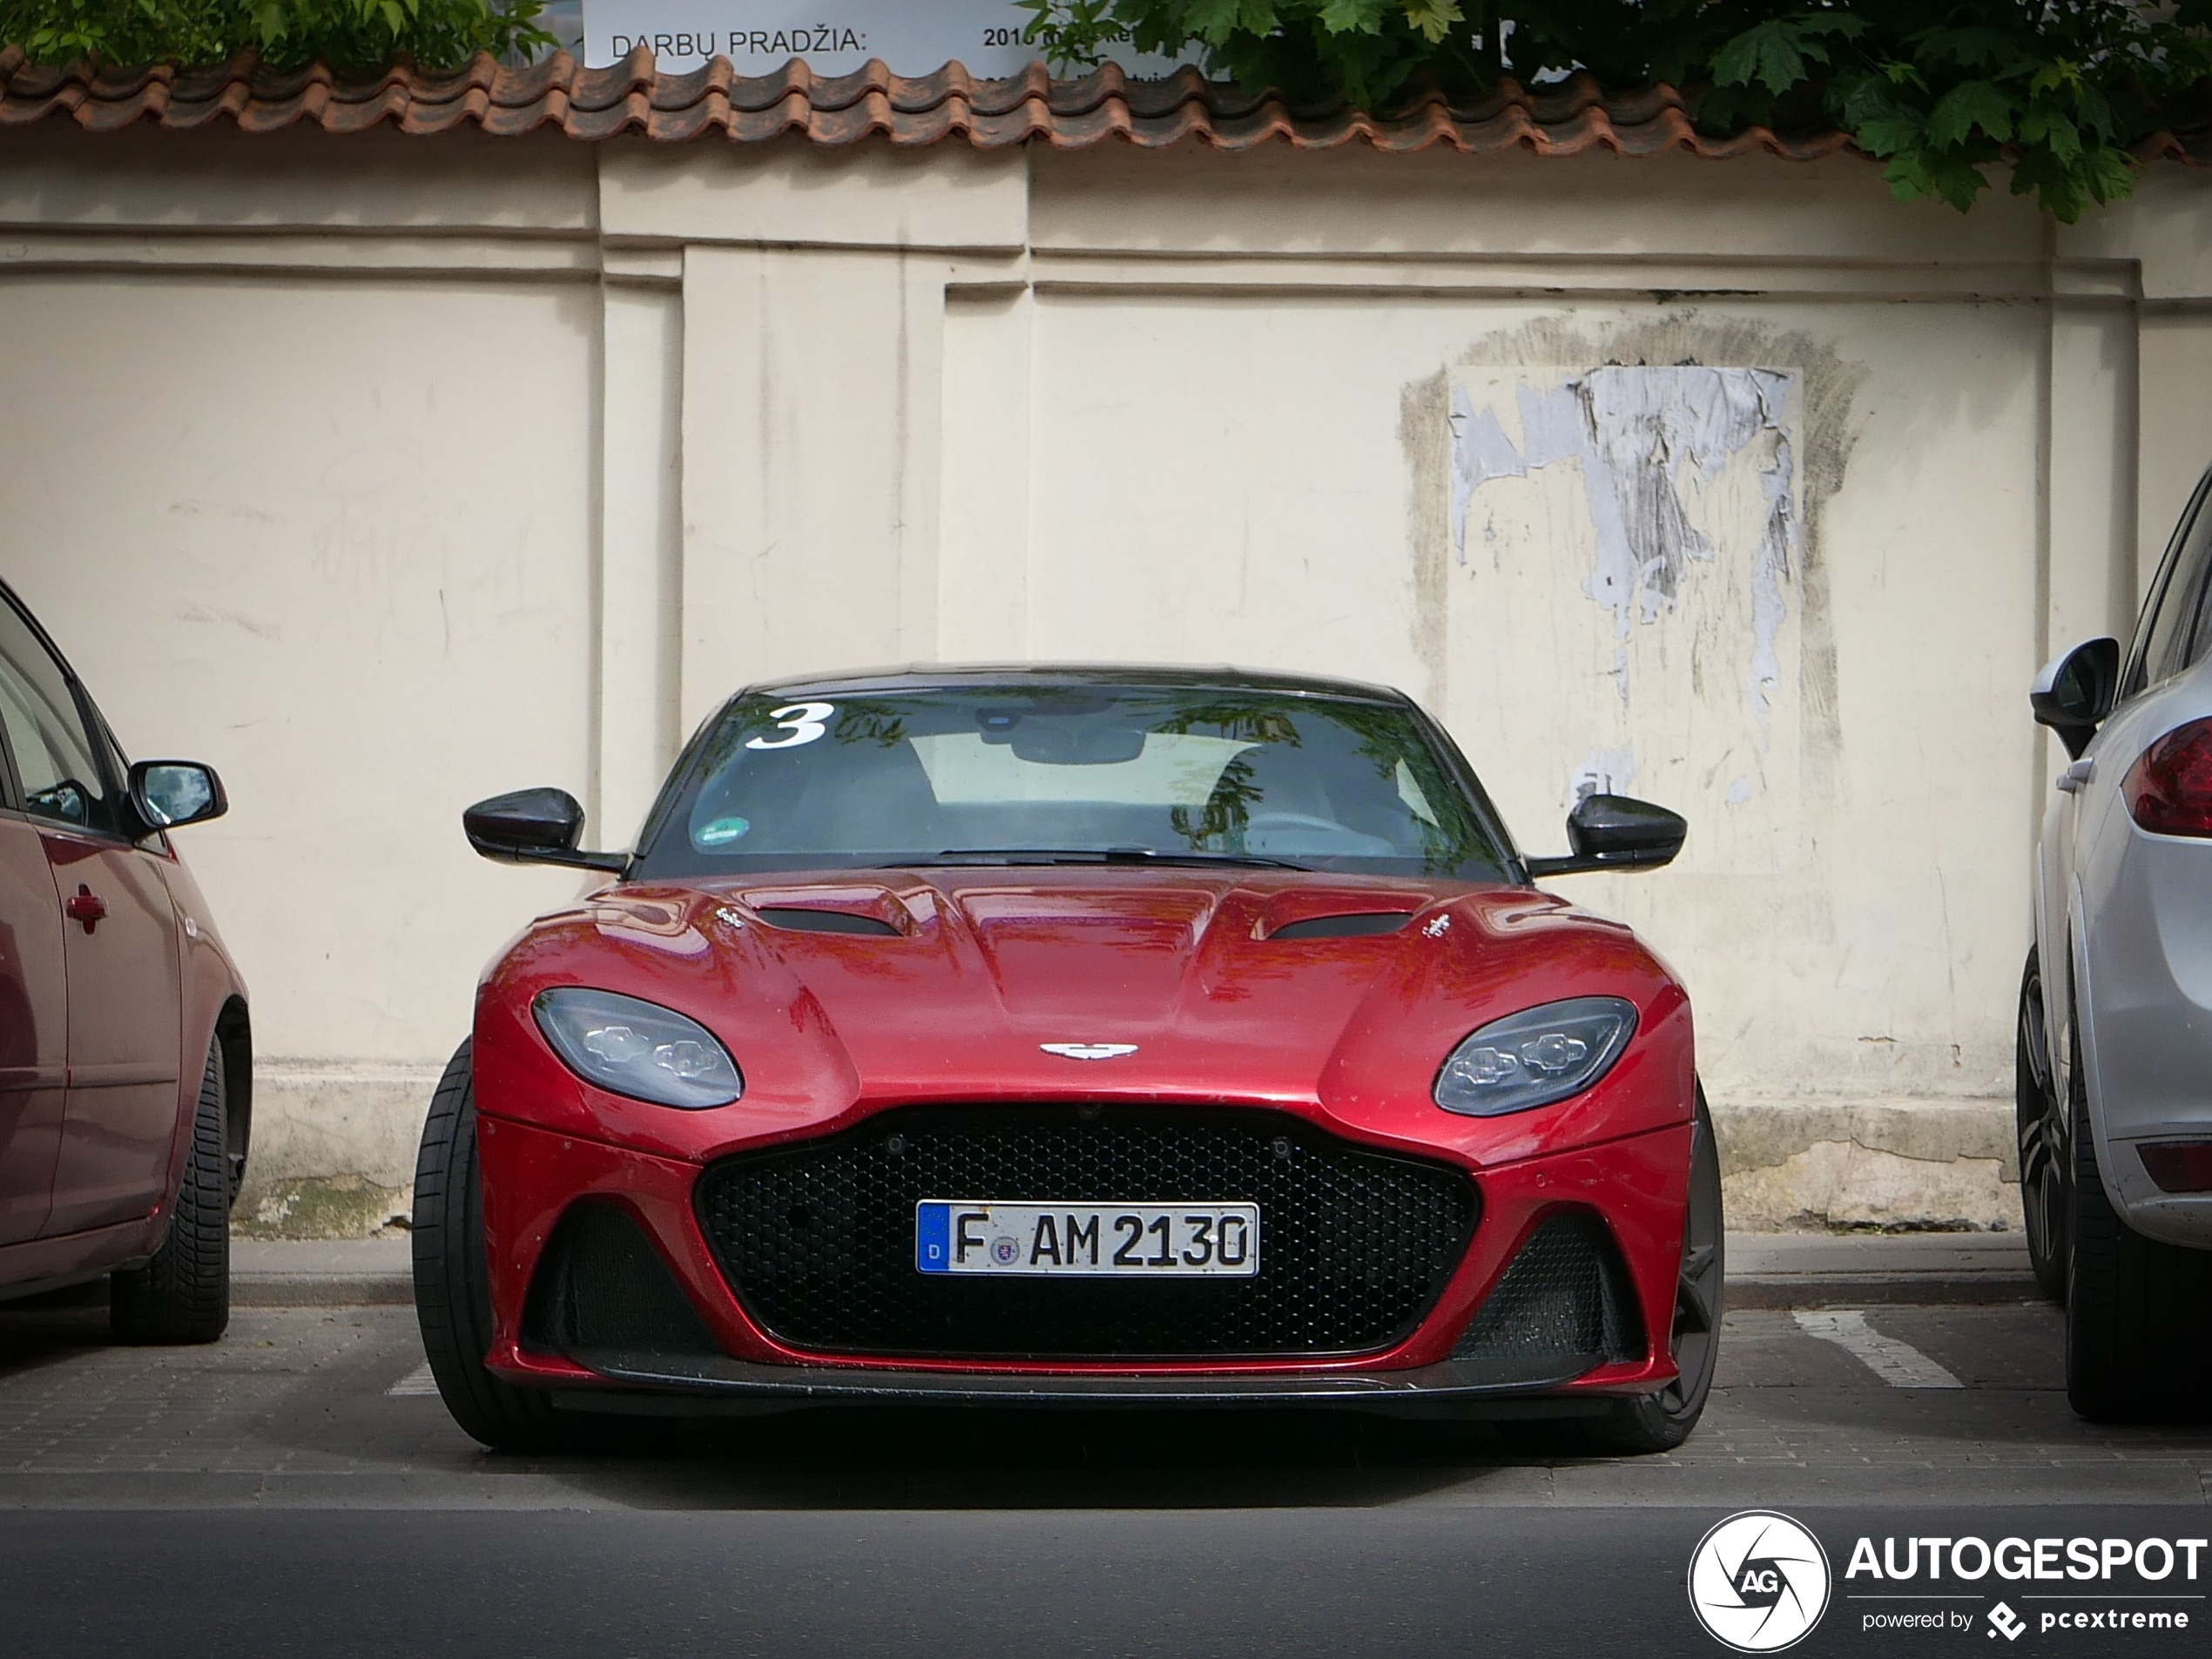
[{"x": 1758, "y": 1581}]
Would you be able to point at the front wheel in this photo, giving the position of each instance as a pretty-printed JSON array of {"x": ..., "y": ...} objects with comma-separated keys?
[
  {"x": 1660, "y": 1422},
  {"x": 183, "y": 1295},
  {"x": 452, "y": 1286},
  {"x": 452, "y": 1297}
]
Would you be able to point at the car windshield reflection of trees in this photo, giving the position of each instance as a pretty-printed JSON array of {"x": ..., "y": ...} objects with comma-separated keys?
[{"x": 1112, "y": 776}]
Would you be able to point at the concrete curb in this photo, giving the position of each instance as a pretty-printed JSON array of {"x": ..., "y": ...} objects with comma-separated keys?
[
  {"x": 300, "y": 1290},
  {"x": 1880, "y": 1291}
]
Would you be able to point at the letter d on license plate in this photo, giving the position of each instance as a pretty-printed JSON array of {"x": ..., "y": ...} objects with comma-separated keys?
[{"x": 1087, "y": 1240}]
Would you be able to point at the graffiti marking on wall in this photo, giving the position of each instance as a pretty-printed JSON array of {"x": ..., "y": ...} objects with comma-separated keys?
[{"x": 1635, "y": 528}]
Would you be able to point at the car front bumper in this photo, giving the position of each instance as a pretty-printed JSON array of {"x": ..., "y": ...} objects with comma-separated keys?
[
  {"x": 664, "y": 1385},
  {"x": 532, "y": 1177}
]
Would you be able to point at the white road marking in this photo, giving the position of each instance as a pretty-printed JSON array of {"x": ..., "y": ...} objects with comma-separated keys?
[
  {"x": 416, "y": 1385},
  {"x": 1899, "y": 1364}
]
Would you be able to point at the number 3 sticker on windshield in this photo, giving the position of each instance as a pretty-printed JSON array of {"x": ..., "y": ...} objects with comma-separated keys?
[{"x": 799, "y": 723}]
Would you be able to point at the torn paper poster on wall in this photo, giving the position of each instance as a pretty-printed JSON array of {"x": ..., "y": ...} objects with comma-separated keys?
[{"x": 1627, "y": 549}]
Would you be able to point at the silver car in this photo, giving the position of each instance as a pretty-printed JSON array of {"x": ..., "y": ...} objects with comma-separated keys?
[{"x": 2114, "y": 1055}]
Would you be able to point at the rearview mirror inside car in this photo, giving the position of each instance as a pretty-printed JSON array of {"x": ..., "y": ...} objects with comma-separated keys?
[
  {"x": 167, "y": 794},
  {"x": 1616, "y": 833},
  {"x": 2075, "y": 691},
  {"x": 534, "y": 827}
]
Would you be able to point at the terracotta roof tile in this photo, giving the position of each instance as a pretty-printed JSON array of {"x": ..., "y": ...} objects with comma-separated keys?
[{"x": 632, "y": 96}]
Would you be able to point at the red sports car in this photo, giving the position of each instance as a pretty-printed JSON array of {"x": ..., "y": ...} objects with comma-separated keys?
[{"x": 1064, "y": 1036}]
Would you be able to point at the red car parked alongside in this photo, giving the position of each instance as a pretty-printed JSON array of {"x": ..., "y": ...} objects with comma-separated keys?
[
  {"x": 1079, "y": 1036},
  {"x": 126, "y": 1054}
]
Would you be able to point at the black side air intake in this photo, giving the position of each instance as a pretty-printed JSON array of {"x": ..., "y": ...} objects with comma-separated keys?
[
  {"x": 601, "y": 1285},
  {"x": 1562, "y": 1307},
  {"x": 793, "y": 918},
  {"x": 1358, "y": 924}
]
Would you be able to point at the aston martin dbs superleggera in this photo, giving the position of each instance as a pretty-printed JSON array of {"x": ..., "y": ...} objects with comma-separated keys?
[{"x": 1086, "y": 1036}]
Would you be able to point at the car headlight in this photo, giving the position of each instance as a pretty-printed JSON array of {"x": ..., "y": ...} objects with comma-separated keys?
[
  {"x": 1535, "y": 1057},
  {"x": 638, "y": 1049}
]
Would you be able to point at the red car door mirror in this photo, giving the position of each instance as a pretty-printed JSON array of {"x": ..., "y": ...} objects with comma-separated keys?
[
  {"x": 534, "y": 827},
  {"x": 1616, "y": 833}
]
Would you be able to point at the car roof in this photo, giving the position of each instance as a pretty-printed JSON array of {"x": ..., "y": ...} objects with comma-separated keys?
[{"x": 919, "y": 677}]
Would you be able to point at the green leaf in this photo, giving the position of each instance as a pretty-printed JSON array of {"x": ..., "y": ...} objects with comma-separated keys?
[
  {"x": 2093, "y": 113},
  {"x": 1431, "y": 19},
  {"x": 2052, "y": 130},
  {"x": 1956, "y": 179},
  {"x": 1976, "y": 46},
  {"x": 1869, "y": 98},
  {"x": 2110, "y": 172},
  {"x": 1351, "y": 16},
  {"x": 1885, "y": 135},
  {"x": 1907, "y": 173},
  {"x": 1771, "y": 54},
  {"x": 1968, "y": 105},
  {"x": 1214, "y": 21},
  {"x": 1841, "y": 24}
]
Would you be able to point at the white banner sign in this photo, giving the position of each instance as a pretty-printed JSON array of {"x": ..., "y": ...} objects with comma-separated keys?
[{"x": 834, "y": 38}]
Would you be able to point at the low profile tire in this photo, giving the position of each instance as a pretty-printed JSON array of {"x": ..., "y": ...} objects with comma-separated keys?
[
  {"x": 2138, "y": 1311},
  {"x": 1662, "y": 1422},
  {"x": 452, "y": 1288},
  {"x": 183, "y": 1295},
  {"x": 2039, "y": 1118}
]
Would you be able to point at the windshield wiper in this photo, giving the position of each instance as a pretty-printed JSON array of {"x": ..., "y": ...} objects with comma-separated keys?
[{"x": 1101, "y": 855}]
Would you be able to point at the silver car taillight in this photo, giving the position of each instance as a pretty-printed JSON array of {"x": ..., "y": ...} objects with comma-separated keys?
[{"x": 2168, "y": 790}]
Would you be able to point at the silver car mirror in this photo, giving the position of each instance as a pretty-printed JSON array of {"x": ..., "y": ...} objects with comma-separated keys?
[{"x": 2075, "y": 691}]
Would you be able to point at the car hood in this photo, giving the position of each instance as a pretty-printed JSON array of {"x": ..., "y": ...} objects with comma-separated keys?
[{"x": 974, "y": 984}]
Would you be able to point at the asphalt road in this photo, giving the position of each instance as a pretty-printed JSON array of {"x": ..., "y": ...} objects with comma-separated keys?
[{"x": 273, "y": 1494}]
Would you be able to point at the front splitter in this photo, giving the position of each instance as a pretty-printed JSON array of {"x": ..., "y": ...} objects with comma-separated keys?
[{"x": 672, "y": 1385}]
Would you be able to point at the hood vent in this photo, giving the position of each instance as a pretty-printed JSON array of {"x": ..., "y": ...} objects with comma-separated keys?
[
  {"x": 798, "y": 921},
  {"x": 1356, "y": 925}
]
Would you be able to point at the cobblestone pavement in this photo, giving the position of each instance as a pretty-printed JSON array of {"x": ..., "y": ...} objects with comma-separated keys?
[{"x": 296, "y": 1406}]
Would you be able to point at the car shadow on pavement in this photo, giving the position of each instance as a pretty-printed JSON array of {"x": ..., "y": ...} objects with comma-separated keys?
[
  {"x": 50, "y": 1329},
  {"x": 900, "y": 1458}
]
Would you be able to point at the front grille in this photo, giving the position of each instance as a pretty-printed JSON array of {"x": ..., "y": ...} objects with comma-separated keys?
[
  {"x": 1565, "y": 1298},
  {"x": 817, "y": 1240}
]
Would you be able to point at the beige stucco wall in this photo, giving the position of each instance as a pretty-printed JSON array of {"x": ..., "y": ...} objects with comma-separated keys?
[{"x": 387, "y": 473}]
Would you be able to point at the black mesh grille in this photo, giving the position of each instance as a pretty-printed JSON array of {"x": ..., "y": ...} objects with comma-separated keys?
[
  {"x": 818, "y": 1240},
  {"x": 1566, "y": 1296},
  {"x": 601, "y": 1285}
]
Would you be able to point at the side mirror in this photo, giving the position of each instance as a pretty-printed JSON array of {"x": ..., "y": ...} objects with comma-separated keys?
[
  {"x": 2075, "y": 692},
  {"x": 168, "y": 795},
  {"x": 534, "y": 827},
  {"x": 1614, "y": 833}
]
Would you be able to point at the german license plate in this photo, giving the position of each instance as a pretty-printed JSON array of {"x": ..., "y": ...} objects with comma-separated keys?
[{"x": 1087, "y": 1240}]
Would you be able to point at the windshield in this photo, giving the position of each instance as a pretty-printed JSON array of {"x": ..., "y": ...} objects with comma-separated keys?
[{"x": 1067, "y": 774}]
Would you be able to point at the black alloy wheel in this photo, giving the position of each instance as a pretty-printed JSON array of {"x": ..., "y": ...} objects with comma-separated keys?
[
  {"x": 1662, "y": 1422},
  {"x": 2040, "y": 1120}
]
